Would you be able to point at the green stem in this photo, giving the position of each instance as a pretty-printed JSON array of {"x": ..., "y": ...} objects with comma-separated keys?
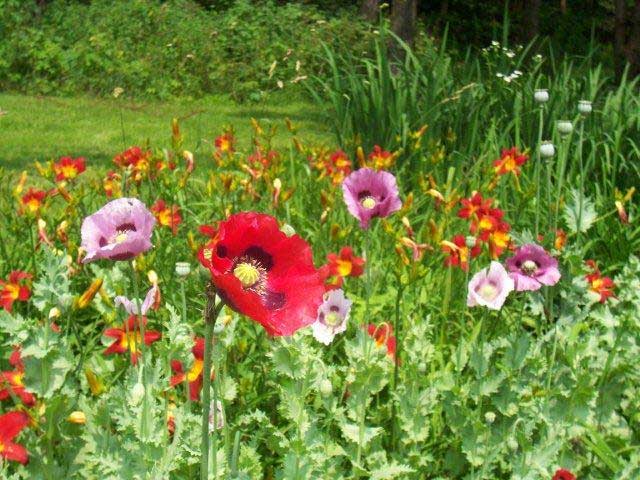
[
  {"x": 210, "y": 315},
  {"x": 580, "y": 200},
  {"x": 396, "y": 369},
  {"x": 538, "y": 168}
]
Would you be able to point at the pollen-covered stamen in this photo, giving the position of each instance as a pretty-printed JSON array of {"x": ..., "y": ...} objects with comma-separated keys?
[
  {"x": 529, "y": 267},
  {"x": 122, "y": 231},
  {"x": 368, "y": 203}
]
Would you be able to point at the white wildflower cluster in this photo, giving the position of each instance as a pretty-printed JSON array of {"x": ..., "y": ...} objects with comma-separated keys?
[{"x": 510, "y": 76}]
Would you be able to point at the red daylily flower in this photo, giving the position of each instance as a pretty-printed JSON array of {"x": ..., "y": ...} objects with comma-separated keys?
[
  {"x": 561, "y": 239},
  {"x": 345, "y": 264},
  {"x": 510, "y": 161},
  {"x": 129, "y": 338},
  {"x": 194, "y": 375},
  {"x": 383, "y": 336},
  {"x": 11, "y": 424},
  {"x": 603, "y": 286},
  {"x": 225, "y": 143},
  {"x": 167, "y": 217},
  {"x": 32, "y": 200},
  {"x": 15, "y": 288},
  {"x": 260, "y": 272},
  {"x": 562, "y": 474},
  {"x": 11, "y": 381},
  {"x": 136, "y": 159},
  {"x": 458, "y": 252},
  {"x": 112, "y": 184},
  {"x": 381, "y": 159},
  {"x": 69, "y": 168}
]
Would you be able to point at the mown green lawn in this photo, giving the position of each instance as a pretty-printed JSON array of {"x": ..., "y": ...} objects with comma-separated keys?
[{"x": 41, "y": 128}]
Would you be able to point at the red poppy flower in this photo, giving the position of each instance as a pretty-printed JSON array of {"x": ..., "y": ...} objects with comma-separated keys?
[
  {"x": 510, "y": 161},
  {"x": 383, "y": 336},
  {"x": 194, "y": 375},
  {"x": 32, "y": 200},
  {"x": 15, "y": 288},
  {"x": 11, "y": 381},
  {"x": 562, "y": 474},
  {"x": 603, "y": 286},
  {"x": 458, "y": 252},
  {"x": 129, "y": 338},
  {"x": 345, "y": 264},
  {"x": 260, "y": 272},
  {"x": 167, "y": 217},
  {"x": 69, "y": 168},
  {"x": 11, "y": 424}
]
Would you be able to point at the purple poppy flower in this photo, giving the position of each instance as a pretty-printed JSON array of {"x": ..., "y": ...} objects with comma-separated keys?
[
  {"x": 118, "y": 231},
  {"x": 531, "y": 267},
  {"x": 490, "y": 287},
  {"x": 370, "y": 194},
  {"x": 332, "y": 316}
]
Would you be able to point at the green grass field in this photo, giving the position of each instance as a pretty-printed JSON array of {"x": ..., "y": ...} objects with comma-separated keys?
[{"x": 36, "y": 128}]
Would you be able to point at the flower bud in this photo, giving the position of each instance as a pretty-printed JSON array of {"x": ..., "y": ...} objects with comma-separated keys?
[
  {"x": 470, "y": 241},
  {"x": 77, "y": 417},
  {"x": 565, "y": 127},
  {"x": 183, "y": 269},
  {"x": 288, "y": 230},
  {"x": 153, "y": 277},
  {"x": 547, "y": 150},
  {"x": 326, "y": 388},
  {"x": 216, "y": 422},
  {"x": 137, "y": 393},
  {"x": 541, "y": 95},
  {"x": 512, "y": 443},
  {"x": 585, "y": 107},
  {"x": 490, "y": 417}
]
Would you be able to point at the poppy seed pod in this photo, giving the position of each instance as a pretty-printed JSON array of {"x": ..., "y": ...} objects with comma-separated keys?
[
  {"x": 585, "y": 107},
  {"x": 183, "y": 269},
  {"x": 541, "y": 95},
  {"x": 547, "y": 150},
  {"x": 565, "y": 127}
]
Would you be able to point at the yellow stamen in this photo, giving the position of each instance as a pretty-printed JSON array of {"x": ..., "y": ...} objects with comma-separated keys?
[
  {"x": 488, "y": 291},
  {"x": 332, "y": 319}
]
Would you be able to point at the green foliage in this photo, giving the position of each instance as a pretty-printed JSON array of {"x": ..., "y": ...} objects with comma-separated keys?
[{"x": 159, "y": 49}]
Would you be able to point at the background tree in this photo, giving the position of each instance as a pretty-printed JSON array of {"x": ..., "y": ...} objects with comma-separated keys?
[{"x": 369, "y": 9}]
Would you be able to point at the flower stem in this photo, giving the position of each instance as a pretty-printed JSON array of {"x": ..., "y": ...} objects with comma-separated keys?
[
  {"x": 538, "y": 168},
  {"x": 210, "y": 315}
]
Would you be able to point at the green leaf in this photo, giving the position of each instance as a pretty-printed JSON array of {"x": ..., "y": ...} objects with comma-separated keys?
[{"x": 579, "y": 213}]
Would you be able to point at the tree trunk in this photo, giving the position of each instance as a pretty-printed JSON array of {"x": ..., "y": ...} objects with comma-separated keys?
[
  {"x": 619, "y": 34},
  {"x": 531, "y": 19},
  {"x": 369, "y": 9},
  {"x": 403, "y": 19},
  {"x": 633, "y": 46}
]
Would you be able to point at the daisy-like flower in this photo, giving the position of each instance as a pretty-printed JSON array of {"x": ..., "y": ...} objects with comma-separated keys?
[
  {"x": 167, "y": 216},
  {"x": 68, "y": 168},
  {"x": 11, "y": 424},
  {"x": 129, "y": 337},
  {"x": 11, "y": 382},
  {"x": 510, "y": 161},
  {"x": 369, "y": 194},
  {"x": 603, "y": 286},
  {"x": 531, "y": 268},
  {"x": 118, "y": 231},
  {"x": 459, "y": 252},
  {"x": 383, "y": 336},
  {"x": 32, "y": 201},
  {"x": 562, "y": 474},
  {"x": 333, "y": 315},
  {"x": 262, "y": 273},
  {"x": 490, "y": 287},
  {"x": 194, "y": 375},
  {"x": 14, "y": 288}
]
